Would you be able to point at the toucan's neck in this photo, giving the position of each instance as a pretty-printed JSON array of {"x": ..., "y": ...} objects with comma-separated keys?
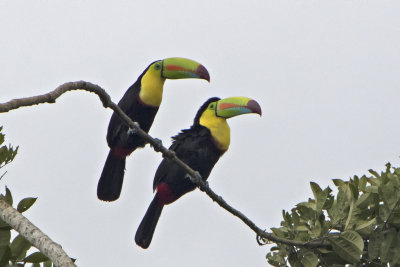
[
  {"x": 151, "y": 89},
  {"x": 219, "y": 129}
]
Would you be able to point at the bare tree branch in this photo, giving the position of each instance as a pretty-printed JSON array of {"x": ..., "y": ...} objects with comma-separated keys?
[
  {"x": 33, "y": 234},
  {"x": 53, "y": 95},
  {"x": 157, "y": 145}
]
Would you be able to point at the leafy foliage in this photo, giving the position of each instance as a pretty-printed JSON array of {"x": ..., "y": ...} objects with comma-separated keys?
[
  {"x": 13, "y": 253},
  {"x": 361, "y": 224},
  {"x": 7, "y": 153}
]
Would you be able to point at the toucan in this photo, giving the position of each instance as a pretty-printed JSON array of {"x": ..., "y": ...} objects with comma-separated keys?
[
  {"x": 140, "y": 102},
  {"x": 200, "y": 147}
]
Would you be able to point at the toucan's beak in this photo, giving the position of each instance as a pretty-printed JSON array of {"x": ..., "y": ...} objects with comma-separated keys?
[
  {"x": 182, "y": 68},
  {"x": 234, "y": 106}
]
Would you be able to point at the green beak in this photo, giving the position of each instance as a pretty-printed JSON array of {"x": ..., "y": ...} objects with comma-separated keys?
[
  {"x": 234, "y": 106},
  {"x": 182, "y": 68}
]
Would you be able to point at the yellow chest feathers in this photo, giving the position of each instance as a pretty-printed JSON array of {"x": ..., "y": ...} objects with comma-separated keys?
[
  {"x": 218, "y": 127},
  {"x": 151, "y": 88}
]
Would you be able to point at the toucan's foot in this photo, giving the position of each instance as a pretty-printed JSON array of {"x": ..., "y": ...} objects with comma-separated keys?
[
  {"x": 158, "y": 145},
  {"x": 196, "y": 178},
  {"x": 131, "y": 131}
]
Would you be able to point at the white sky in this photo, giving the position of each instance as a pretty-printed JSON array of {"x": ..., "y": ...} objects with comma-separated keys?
[{"x": 326, "y": 74}]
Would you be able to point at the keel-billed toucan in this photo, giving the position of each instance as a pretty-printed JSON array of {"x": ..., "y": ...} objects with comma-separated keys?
[
  {"x": 200, "y": 147},
  {"x": 140, "y": 102}
]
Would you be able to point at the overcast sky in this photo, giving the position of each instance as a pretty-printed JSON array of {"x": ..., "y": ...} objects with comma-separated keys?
[{"x": 326, "y": 74}]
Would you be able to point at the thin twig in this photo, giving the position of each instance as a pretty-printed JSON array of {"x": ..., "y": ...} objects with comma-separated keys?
[{"x": 157, "y": 146}]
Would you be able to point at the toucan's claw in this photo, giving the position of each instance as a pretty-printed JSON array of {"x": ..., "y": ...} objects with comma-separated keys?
[
  {"x": 131, "y": 131},
  {"x": 158, "y": 144},
  {"x": 196, "y": 178}
]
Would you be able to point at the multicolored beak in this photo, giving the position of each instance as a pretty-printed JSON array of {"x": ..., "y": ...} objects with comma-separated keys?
[
  {"x": 183, "y": 68},
  {"x": 234, "y": 106}
]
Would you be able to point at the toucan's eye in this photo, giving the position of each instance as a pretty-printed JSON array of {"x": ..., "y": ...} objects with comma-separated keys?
[
  {"x": 157, "y": 66},
  {"x": 212, "y": 106}
]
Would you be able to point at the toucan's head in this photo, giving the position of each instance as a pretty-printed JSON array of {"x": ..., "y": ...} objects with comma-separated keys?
[
  {"x": 227, "y": 108},
  {"x": 179, "y": 68},
  {"x": 214, "y": 112}
]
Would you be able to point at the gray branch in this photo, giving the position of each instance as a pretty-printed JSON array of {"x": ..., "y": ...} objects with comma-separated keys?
[
  {"x": 157, "y": 145},
  {"x": 33, "y": 234}
]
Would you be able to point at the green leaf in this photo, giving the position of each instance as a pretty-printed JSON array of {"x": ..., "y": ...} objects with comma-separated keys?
[
  {"x": 372, "y": 189},
  {"x": 332, "y": 259},
  {"x": 374, "y": 173},
  {"x": 364, "y": 200},
  {"x": 309, "y": 259},
  {"x": 9, "y": 198},
  {"x": 389, "y": 239},
  {"x": 316, "y": 189},
  {"x": 25, "y": 204},
  {"x": 301, "y": 228},
  {"x": 338, "y": 182},
  {"x": 348, "y": 245},
  {"x": 373, "y": 181},
  {"x": 389, "y": 194},
  {"x": 295, "y": 217},
  {"x": 5, "y": 236},
  {"x": 320, "y": 196},
  {"x": 362, "y": 183},
  {"x": 350, "y": 217},
  {"x": 36, "y": 257},
  {"x": 395, "y": 261},
  {"x": 333, "y": 213},
  {"x": 278, "y": 232},
  {"x": 35, "y": 265},
  {"x": 287, "y": 218},
  {"x": 1, "y": 136},
  {"x": 275, "y": 259},
  {"x": 396, "y": 171},
  {"x": 19, "y": 247},
  {"x": 302, "y": 236},
  {"x": 316, "y": 229},
  {"x": 388, "y": 167},
  {"x": 5, "y": 255},
  {"x": 47, "y": 263},
  {"x": 365, "y": 228},
  {"x": 294, "y": 261},
  {"x": 374, "y": 244},
  {"x": 343, "y": 201},
  {"x": 354, "y": 190},
  {"x": 306, "y": 210}
]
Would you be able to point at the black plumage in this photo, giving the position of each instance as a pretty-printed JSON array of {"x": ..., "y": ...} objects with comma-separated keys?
[
  {"x": 197, "y": 148},
  {"x": 122, "y": 142}
]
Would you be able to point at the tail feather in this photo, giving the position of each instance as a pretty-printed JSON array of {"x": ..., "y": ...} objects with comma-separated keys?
[
  {"x": 111, "y": 179},
  {"x": 144, "y": 233}
]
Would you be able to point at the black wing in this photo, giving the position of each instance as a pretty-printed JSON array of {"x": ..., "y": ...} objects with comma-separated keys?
[
  {"x": 196, "y": 148},
  {"x": 117, "y": 134}
]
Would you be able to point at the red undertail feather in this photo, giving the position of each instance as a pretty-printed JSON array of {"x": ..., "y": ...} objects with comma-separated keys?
[
  {"x": 165, "y": 194},
  {"x": 121, "y": 152}
]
